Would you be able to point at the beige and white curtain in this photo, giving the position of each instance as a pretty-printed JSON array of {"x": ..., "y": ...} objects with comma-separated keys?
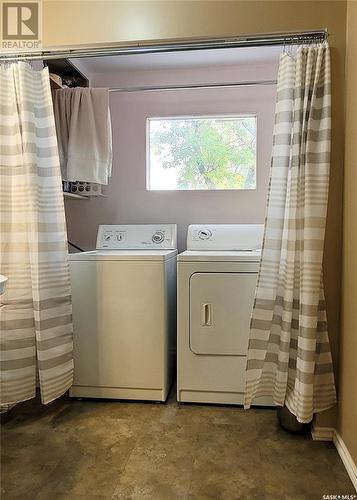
[
  {"x": 289, "y": 354},
  {"x": 35, "y": 311}
]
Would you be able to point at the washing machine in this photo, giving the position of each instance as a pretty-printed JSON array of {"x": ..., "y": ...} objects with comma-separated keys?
[
  {"x": 216, "y": 280},
  {"x": 124, "y": 313}
]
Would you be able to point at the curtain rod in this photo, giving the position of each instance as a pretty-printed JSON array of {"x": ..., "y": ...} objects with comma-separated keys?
[
  {"x": 288, "y": 38},
  {"x": 193, "y": 86}
]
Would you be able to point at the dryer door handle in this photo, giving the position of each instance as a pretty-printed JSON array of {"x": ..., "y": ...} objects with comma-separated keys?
[{"x": 206, "y": 314}]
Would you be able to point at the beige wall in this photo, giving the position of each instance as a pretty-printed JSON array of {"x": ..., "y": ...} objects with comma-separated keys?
[
  {"x": 87, "y": 22},
  {"x": 76, "y": 22},
  {"x": 128, "y": 201},
  {"x": 347, "y": 424}
]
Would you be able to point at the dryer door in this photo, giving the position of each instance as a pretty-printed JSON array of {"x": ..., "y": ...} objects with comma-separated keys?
[{"x": 220, "y": 310}]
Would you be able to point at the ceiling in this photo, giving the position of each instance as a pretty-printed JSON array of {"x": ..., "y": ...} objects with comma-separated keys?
[{"x": 181, "y": 59}]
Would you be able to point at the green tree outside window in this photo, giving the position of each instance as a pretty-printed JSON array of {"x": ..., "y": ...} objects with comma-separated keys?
[{"x": 204, "y": 153}]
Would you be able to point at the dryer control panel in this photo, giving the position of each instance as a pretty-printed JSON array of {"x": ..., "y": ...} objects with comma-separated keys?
[
  {"x": 225, "y": 237},
  {"x": 137, "y": 237}
]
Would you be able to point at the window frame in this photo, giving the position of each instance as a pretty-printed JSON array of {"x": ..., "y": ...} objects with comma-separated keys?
[{"x": 193, "y": 117}]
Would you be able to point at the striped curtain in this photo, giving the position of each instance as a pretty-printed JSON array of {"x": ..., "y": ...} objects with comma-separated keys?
[
  {"x": 35, "y": 311},
  {"x": 289, "y": 355}
]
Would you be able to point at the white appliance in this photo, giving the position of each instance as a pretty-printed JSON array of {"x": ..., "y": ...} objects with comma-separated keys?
[
  {"x": 124, "y": 313},
  {"x": 3, "y": 281},
  {"x": 217, "y": 277}
]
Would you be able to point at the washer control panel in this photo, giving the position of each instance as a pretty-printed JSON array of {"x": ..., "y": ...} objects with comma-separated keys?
[
  {"x": 137, "y": 237},
  {"x": 225, "y": 237}
]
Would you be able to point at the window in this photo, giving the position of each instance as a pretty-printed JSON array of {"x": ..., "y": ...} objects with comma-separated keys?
[{"x": 201, "y": 153}]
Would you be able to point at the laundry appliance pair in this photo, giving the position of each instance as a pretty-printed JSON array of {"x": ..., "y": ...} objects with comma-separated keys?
[{"x": 124, "y": 312}]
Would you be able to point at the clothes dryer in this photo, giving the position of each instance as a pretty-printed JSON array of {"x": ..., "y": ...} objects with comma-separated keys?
[{"x": 217, "y": 278}]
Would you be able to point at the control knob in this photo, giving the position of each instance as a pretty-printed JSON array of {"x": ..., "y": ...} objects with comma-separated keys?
[
  {"x": 204, "y": 234},
  {"x": 158, "y": 237}
]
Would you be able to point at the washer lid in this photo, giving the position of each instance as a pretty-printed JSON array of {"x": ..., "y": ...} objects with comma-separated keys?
[
  {"x": 219, "y": 255},
  {"x": 123, "y": 255}
]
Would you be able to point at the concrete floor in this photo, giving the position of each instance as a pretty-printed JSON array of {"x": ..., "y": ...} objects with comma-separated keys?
[{"x": 111, "y": 450}]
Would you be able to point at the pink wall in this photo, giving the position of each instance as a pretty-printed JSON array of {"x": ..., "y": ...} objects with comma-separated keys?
[{"x": 128, "y": 202}]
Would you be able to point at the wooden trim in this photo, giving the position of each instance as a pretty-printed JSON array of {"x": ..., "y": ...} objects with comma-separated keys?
[
  {"x": 346, "y": 458},
  {"x": 330, "y": 434},
  {"x": 322, "y": 433}
]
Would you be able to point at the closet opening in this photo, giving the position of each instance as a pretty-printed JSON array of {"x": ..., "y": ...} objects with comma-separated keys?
[
  {"x": 191, "y": 126},
  {"x": 193, "y": 123}
]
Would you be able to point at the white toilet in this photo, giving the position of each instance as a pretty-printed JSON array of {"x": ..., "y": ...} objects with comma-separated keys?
[{"x": 3, "y": 281}]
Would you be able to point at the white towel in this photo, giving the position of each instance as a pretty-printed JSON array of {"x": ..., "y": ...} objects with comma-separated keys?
[{"x": 84, "y": 134}]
